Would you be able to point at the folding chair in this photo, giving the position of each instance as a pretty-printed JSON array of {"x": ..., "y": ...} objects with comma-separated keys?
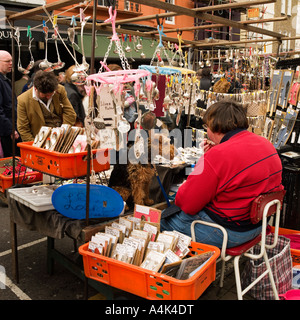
[{"x": 263, "y": 207}]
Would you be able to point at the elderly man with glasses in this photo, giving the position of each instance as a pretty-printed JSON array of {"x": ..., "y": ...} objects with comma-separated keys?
[
  {"x": 6, "y": 125},
  {"x": 45, "y": 104}
]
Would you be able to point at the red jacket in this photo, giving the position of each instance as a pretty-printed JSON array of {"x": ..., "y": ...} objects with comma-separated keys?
[{"x": 229, "y": 177}]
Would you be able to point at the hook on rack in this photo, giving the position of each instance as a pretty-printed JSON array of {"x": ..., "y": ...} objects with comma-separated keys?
[
  {"x": 112, "y": 4},
  {"x": 29, "y": 34},
  {"x": 160, "y": 29},
  {"x": 73, "y": 22},
  {"x": 158, "y": 22},
  {"x": 112, "y": 19},
  {"x": 180, "y": 41}
]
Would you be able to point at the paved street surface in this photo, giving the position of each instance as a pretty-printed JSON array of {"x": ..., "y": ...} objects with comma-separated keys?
[{"x": 36, "y": 284}]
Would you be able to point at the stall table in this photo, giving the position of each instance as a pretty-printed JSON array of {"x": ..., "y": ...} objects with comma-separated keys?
[{"x": 54, "y": 226}]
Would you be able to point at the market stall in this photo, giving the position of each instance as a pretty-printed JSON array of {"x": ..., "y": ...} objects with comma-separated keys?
[{"x": 95, "y": 211}]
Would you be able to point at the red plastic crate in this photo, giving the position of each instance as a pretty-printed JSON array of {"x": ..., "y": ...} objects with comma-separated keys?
[
  {"x": 149, "y": 284},
  {"x": 63, "y": 165},
  {"x": 24, "y": 177}
]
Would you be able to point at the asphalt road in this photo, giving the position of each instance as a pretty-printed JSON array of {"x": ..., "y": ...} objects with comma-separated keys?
[{"x": 34, "y": 281}]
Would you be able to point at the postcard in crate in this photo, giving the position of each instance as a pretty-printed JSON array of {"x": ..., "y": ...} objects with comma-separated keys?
[{"x": 148, "y": 214}]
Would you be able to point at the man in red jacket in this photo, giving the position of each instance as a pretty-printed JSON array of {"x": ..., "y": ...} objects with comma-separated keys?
[{"x": 236, "y": 167}]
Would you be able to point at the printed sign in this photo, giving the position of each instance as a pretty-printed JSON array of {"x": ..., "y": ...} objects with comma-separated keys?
[{"x": 253, "y": 12}]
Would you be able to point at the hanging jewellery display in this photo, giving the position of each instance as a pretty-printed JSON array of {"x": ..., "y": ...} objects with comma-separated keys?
[
  {"x": 137, "y": 44},
  {"x": 31, "y": 63},
  {"x": 114, "y": 82},
  {"x": 45, "y": 64},
  {"x": 170, "y": 73},
  {"x": 128, "y": 41},
  {"x": 227, "y": 56},
  {"x": 208, "y": 61},
  {"x": 84, "y": 66},
  {"x": 59, "y": 64},
  {"x": 201, "y": 62},
  {"x": 156, "y": 67},
  {"x": 178, "y": 58},
  {"x": 116, "y": 41},
  {"x": 157, "y": 55},
  {"x": 79, "y": 76},
  {"x": 181, "y": 89},
  {"x": 71, "y": 35},
  {"x": 116, "y": 93}
]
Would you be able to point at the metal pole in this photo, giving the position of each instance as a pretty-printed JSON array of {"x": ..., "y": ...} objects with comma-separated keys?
[
  {"x": 13, "y": 226},
  {"x": 13, "y": 101},
  {"x": 92, "y": 67}
]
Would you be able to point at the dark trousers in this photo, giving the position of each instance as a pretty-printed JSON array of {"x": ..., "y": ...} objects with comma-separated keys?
[{"x": 7, "y": 146}]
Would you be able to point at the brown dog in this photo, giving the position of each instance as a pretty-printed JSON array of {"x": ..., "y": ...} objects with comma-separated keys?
[{"x": 132, "y": 180}]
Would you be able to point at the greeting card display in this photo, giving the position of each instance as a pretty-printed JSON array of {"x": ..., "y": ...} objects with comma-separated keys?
[{"x": 147, "y": 213}]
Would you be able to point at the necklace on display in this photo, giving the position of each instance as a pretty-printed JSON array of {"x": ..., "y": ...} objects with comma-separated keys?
[
  {"x": 45, "y": 64},
  {"x": 59, "y": 64},
  {"x": 31, "y": 63}
]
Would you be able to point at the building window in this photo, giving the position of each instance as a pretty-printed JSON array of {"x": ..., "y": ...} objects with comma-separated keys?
[
  {"x": 132, "y": 7},
  {"x": 101, "y": 3},
  {"x": 170, "y": 20}
]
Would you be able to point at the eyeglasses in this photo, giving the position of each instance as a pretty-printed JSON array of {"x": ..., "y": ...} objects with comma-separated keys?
[{"x": 205, "y": 126}]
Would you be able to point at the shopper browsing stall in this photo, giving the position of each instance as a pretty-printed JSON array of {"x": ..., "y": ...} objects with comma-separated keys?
[
  {"x": 236, "y": 167},
  {"x": 74, "y": 90},
  {"x": 19, "y": 84},
  {"x": 45, "y": 104},
  {"x": 205, "y": 80}
]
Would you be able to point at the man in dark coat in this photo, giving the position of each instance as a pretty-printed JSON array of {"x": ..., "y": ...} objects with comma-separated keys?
[{"x": 6, "y": 125}]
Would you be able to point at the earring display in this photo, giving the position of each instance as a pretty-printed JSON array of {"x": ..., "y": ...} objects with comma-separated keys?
[
  {"x": 285, "y": 88},
  {"x": 267, "y": 128},
  {"x": 286, "y": 128},
  {"x": 294, "y": 93},
  {"x": 274, "y": 90},
  {"x": 279, "y": 117}
]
